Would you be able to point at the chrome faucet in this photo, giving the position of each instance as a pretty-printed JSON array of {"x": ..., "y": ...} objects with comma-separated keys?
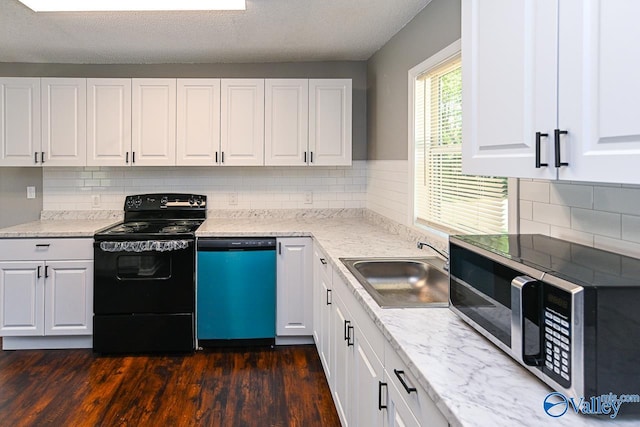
[{"x": 443, "y": 254}]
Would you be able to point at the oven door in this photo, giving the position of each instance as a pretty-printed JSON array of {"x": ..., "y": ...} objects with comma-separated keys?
[{"x": 144, "y": 277}]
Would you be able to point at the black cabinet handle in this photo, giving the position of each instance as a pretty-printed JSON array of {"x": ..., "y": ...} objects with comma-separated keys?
[
  {"x": 38, "y": 273},
  {"x": 216, "y": 157},
  {"x": 323, "y": 261},
  {"x": 46, "y": 271},
  {"x": 222, "y": 157},
  {"x": 311, "y": 157},
  {"x": 305, "y": 157},
  {"x": 133, "y": 157},
  {"x": 43, "y": 245},
  {"x": 380, "y": 405},
  {"x": 42, "y": 157},
  {"x": 349, "y": 335},
  {"x": 557, "y": 133},
  {"x": 538, "y": 136},
  {"x": 126, "y": 160},
  {"x": 328, "y": 296},
  {"x": 35, "y": 157},
  {"x": 279, "y": 248},
  {"x": 400, "y": 375},
  {"x": 346, "y": 329}
]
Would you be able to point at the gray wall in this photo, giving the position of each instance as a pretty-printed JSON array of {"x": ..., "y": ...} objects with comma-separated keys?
[
  {"x": 435, "y": 27},
  {"x": 15, "y": 208},
  {"x": 356, "y": 70}
]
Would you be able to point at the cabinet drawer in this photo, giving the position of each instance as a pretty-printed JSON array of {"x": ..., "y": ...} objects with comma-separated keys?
[
  {"x": 416, "y": 398},
  {"x": 45, "y": 249}
]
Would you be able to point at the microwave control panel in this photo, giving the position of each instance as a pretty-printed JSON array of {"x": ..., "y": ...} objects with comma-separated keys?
[{"x": 557, "y": 335}]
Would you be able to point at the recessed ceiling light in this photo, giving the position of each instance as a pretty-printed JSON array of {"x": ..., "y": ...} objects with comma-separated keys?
[{"x": 131, "y": 5}]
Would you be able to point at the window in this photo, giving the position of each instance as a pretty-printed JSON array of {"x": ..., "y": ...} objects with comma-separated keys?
[{"x": 445, "y": 198}]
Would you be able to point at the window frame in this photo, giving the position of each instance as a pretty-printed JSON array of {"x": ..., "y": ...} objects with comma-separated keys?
[{"x": 434, "y": 60}]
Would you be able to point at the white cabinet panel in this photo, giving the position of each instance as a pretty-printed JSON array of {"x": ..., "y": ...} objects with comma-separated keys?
[
  {"x": 368, "y": 376},
  {"x": 509, "y": 90},
  {"x": 20, "y": 121},
  {"x": 21, "y": 298},
  {"x": 108, "y": 121},
  {"x": 330, "y": 117},
  {"x": 69, "y": 298},
  {"x": 286, "y": 122},
  {"x": 599, "y": 90},
  {"x": 322, "y": 311},
  {"x": 242, "y": 122},
  {"x": 153, "y": 141},
  {"x": 342, "y": 359},
  {"x": 295, "y": 287},
  {"x": 64, "y": 121},
  {"x": 198, "y": 137}
]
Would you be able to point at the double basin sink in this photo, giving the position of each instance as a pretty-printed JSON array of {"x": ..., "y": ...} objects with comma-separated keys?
[{"x": 402, "y": 282}]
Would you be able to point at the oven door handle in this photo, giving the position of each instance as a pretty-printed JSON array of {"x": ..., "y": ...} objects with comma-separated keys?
[{"x": 145, "y": 245}]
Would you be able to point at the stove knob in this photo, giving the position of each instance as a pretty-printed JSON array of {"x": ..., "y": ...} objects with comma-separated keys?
[
  {"x": 191, "y": 201},
  {"x": 137, "y": 202},
  {"x": 164, "y": 201},
  {"x": 199, "y": 201},
  {"x": 129, "y": 202}
]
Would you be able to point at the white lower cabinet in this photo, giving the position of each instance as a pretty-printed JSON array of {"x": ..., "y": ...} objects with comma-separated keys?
[
  {"x": 46, "y": 293},
  {"x": 295, "y": 287},
  {"x": 370, "y": 385}
]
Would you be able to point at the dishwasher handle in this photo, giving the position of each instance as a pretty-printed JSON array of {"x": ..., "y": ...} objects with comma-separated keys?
[{"x": 237, "y": 244}]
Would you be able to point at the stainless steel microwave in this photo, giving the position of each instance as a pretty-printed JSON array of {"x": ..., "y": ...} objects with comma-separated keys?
[{"x": 568, "y": 313}]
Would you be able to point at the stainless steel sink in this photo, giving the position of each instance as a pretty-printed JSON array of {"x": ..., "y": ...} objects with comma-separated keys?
[{"x": 402, "y": 282}]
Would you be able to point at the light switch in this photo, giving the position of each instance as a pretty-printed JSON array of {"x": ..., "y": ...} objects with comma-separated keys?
[{"x": 31, "y": 192}]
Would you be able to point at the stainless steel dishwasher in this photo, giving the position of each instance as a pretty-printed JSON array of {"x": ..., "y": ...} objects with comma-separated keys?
[{"x": 236, "y": 291}]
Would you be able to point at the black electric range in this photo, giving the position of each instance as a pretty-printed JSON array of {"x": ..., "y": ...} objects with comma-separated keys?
[{"x": 144, "y": 276}]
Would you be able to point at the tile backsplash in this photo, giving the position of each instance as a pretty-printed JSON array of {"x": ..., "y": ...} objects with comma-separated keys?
[
  {"x": 104, "y": 188},
  {"x": 606, "y": 216}
]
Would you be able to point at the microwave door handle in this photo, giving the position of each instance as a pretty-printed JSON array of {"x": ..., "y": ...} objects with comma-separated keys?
[{"x": 518, "y": 336}]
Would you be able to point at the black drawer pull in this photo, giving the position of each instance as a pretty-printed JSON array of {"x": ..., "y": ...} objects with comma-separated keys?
[
  {"x": 39, "y": 275},
  {"x": 400, "y": 375},
  {"x": 42, "y": 157},
  {"x": 349, "y": 336},
  {"x": 46, "y": 271},
  {"x": 557, "y": 133},
  {"x": 346, "y": 329},
  {"x": 126, "y": 158},
  {"x": 35, "y": 157},
  {"x": 43, "y": 245},
  {"x": 323, "y": 261},
  {"x": 380, "y": 405},
  {"x": 328, "y": 296},
  {"x": 538, "y": 136}
]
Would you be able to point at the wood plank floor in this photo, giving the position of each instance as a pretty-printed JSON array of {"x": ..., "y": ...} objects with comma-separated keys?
[{"x": 284, "y": 386}]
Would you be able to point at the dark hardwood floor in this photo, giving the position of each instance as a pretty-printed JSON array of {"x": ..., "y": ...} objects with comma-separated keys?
[{"x": 284, "y": 386}]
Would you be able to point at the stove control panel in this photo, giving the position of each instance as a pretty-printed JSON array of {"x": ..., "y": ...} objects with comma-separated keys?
[{"x": 169, "y": 201}]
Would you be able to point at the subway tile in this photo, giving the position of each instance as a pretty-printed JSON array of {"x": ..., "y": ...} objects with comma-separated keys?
[
  {"x": 596, "y": 222},
  {"x": 572, "y": 235},
  {"x": 617, "y": 246},
  {"x": 552, "y": 214},
  {"x": 619, "y": 200},
  {"x": 535, "y": 191},
  {"x": 575, "y": 195},
  {"x": 534, "y": 227},
  {"x": 526, "y": 210}
]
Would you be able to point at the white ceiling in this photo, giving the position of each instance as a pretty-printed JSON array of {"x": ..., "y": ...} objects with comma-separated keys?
[{"x": 268, "y": 31}]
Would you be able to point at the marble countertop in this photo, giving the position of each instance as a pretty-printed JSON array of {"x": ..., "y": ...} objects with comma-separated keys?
[{"x": 472, "y": 382}]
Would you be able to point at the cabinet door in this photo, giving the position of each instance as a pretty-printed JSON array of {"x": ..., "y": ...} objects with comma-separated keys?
[
  {"x": 330, "y": 112},
  {"x": 108, "y": 122},
  {"x": 153, "y": 140},
  {"x": 295, "y": 287},
  {"x": 20, "y": 121},
  {"x": 198, "y": 140},
  {"x": 368, "y": 374},
  {"x": 509, "y": 87},
  {"x": 599, "y": 89},
  {"x": 399, "y": 412},
  {"x": 69, "y": 298},
  {"x": 242, "y": 122},
  {"x": 64, "y": 121},
  {"x": 21, "y": 298},
  {"x": 323, "y": 313},
  {"x": 342, "y": 359},
  {"x": 286, "y": 122}
]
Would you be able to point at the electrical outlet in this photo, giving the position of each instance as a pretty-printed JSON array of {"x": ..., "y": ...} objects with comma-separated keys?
[
  {"x": 308, "y": 197},
  {"x": 95, "y": 200},
  {"x": 31, "y": 192},
  {"x": 233, "y": 199}
]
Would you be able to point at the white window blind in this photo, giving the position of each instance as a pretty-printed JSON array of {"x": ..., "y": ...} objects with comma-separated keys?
[{"x": 444, "y": 197}]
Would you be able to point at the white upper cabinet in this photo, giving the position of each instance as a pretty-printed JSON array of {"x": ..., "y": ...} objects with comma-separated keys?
[
  {"x": 108, "y": 122},
  {"x": 508, "y": 83},
  {"x": 330, "y": 117},
  {"x": 153, "y": 122},
  {"x": 20, "y": 121},
  {"x": 598, "y": 90},
  {"x": 64, "y": 121},
  {"x": 556, "y": 72},
  {"x": 198, "y": 135},
  {"x": 242, "y": 122},
  {"x": 286, "y": 138}
]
